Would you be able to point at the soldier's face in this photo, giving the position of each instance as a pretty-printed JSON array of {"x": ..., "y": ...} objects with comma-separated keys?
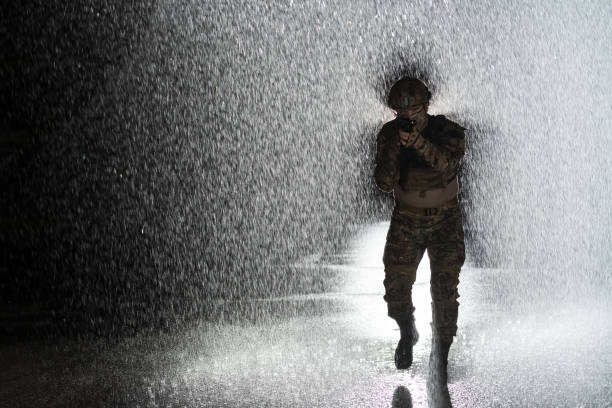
[{"x": 414, "y": 112}]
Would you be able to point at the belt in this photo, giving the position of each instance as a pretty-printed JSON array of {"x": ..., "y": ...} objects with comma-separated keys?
[{"x": 452, "y": 203}]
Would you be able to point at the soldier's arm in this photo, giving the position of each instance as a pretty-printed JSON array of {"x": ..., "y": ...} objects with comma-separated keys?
[
  {"x": 386, "y": 172},
  {"x": 445, "y": 159}
]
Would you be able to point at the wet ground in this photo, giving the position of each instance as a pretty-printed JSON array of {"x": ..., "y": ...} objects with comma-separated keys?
[{"x": 335, "y": 349}]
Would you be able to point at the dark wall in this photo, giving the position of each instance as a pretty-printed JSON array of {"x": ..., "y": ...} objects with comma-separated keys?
[{"x": 87, "y": 196}]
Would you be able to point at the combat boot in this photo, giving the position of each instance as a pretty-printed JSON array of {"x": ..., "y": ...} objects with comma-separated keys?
[
  {"x": 409, "y": 337},
  {"x": 437, "y": 381}
]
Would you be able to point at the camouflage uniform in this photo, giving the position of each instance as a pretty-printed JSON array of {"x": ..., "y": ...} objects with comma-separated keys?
[{"x": 432, "y": 165}]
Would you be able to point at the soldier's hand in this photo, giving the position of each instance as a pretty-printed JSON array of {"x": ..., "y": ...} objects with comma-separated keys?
[{"x": 407, "y": 139}]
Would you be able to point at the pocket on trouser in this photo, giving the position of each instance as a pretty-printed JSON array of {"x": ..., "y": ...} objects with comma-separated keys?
[
  {"x": 398, "y": 286},
  {"x": 402, "y": 253},
  {"x": 398, "y": 290},
  {"x": 402, "y": 245}
]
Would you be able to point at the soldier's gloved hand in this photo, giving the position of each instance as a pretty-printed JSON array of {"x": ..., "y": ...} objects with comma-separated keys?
[{"x": 407, "y": 139}]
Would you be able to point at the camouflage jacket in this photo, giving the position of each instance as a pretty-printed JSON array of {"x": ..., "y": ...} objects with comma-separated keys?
[{"x": 433, "y": 165}]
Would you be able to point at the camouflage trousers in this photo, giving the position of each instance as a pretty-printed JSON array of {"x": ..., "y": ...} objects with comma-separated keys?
[{"x": 409, "y": 235}]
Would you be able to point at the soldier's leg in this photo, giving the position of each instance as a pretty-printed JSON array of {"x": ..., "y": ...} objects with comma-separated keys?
[
  {"x": 402, "y": 255},
  {"x": 401, "y": 260},
  {"x": 446, "y": 255}
]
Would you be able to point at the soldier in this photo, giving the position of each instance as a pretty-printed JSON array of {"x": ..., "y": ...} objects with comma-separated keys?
[{"x": 417, "y": 159}]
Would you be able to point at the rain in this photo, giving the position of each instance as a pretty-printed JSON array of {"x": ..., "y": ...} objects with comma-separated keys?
[{"x": 188, "y": 214}]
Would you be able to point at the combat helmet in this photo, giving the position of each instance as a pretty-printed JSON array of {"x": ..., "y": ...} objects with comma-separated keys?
[{"x": 407, "y": 92}]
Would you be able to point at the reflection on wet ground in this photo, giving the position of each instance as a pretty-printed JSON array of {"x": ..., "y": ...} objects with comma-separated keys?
[{"x": 334, "y": 349}]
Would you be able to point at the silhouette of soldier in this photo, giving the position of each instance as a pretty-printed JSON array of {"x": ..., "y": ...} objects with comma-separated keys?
[{"x": 417, "y": 158}]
